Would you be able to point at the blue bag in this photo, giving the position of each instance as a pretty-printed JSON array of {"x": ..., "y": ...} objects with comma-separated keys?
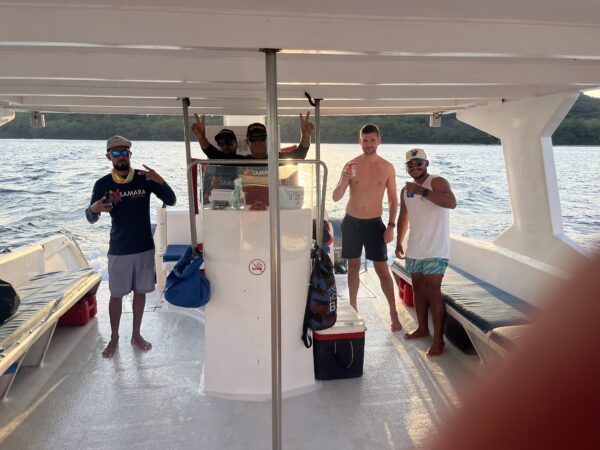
[
  {"x": 186, "y": 285},
  {"x": 321, "y": 302}
]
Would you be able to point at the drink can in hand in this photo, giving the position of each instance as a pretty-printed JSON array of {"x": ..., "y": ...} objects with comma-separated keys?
[{"x": 352, "y": 169}]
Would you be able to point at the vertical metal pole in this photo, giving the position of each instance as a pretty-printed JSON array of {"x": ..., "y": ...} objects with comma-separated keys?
[
  {"x": 319, "y": 224},
  {"x": 185, "y": 102},
  {"x": 273, "y": 141}
]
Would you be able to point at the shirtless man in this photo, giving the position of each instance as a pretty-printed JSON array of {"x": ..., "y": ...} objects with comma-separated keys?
[
  {"x": 425, "y": 203},
  {"x": 369, "y": 176}
]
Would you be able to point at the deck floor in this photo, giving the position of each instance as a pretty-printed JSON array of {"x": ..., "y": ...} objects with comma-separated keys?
[{"x": 78, "y": 400}]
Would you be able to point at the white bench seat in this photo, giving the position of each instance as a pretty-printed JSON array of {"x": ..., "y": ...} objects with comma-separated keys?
[
  {"x": 25, "y": 337},
  {"x": 23, "y": 322},
  {"x": 493, "y": 319}
]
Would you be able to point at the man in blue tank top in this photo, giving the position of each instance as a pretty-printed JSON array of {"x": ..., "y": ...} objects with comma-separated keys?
[
  {"x": 125, "y": 195},
  {"x": 424, "y": 204}
]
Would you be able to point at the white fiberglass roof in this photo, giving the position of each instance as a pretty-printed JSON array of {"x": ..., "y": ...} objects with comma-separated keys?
[{"x": 381, "y": 57}]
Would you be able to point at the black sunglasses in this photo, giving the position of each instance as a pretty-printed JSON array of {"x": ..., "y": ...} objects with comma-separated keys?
[
  {"x": 257, "y": 138},
  {"x": 415, "y": 163},
  {"x": 117, "y": 153}
]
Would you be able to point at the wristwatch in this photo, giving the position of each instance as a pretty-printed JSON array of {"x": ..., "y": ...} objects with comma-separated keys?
[
  {"x": 425, "y": 192},
  {"x": 391, "y": 224}
]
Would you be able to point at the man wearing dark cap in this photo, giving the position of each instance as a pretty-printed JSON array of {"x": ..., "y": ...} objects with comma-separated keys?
[
  {"x": 220, "y": 177},
  {"x": 227, "y": 141},
  {"x": 125, "y": 195},
  {"x": 256, "y": 135}
]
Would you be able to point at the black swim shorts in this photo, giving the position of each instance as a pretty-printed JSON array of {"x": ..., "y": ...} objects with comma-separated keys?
[{"x": 357, "y": 233}]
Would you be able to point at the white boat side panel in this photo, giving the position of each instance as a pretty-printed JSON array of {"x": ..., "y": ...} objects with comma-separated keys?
[
  {"x": 525, "y": 127},
  {"x": 62, "y": 254},
  {"x": 178, "y": 228},
  {"x": 519, "y": 275},
  {"x": 20, "y": 265},
  {"x": 238, "y": 317},
  {"x": 172, "y": 228},
  {"x": 57, "y": 253}
]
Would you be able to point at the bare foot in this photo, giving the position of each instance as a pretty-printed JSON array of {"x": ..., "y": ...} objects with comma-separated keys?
[
  {"x": 436, "y": 349},
  {"x": 396, "y": 325},
  {"x": 110, "y": 349},
  {"x": 416, "y": 334},
  {"x": 141, "y": 343}
]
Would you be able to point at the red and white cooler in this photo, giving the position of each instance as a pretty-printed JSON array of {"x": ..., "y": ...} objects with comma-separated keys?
[{"x": 339, "y": 351}]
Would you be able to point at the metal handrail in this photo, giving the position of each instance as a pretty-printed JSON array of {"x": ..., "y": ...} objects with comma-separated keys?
[
  {"x": 316, "y": 103},
  {"x": 185, "y": 103}
]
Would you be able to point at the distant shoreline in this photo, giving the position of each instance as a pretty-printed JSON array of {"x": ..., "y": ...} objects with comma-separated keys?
[
  {"x": 457, "y": 144},
  {"x": 580, "y": 128}
]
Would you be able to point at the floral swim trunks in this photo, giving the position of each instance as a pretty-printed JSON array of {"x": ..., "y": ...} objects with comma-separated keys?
[{"x": 427, "y": 266}]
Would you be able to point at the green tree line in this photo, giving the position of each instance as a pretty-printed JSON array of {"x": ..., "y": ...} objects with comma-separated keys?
[{"x": 580, "y": 127}]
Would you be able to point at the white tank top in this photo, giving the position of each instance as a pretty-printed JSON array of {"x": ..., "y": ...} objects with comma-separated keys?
[{"x": 429, "y": 228}]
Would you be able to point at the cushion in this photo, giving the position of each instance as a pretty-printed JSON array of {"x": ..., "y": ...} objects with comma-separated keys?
[
  {"x": 54, "y": 285},
  {"x": 509, "y": 337},
  {"x": 484, "y": 305},
  {"x": 24, "y": 320},
  {"x": 39, "y": 296},
  {"x": 174, "y": 252}
]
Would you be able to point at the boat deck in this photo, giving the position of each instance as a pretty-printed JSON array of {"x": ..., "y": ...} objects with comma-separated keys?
[{"x": 153, "y": 400}]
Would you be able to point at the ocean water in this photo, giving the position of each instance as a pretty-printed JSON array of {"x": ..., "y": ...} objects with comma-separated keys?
[{"x": 45, "y": 186}]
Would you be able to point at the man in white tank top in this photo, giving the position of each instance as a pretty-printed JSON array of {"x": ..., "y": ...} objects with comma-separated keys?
[{"x": 424, "y": 204}]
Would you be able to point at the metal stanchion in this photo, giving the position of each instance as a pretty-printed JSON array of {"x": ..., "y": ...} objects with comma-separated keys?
[
  {"x": 273, "y": 140},
  {"x": 185, "y": 102}
]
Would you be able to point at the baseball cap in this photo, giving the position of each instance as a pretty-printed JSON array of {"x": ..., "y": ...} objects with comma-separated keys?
[
  {"x": 117, "y": 141},
  {"x": 415, "y": 153},
  {"x": 256, "y": 128},
  {"x": 225, "y": 133}
]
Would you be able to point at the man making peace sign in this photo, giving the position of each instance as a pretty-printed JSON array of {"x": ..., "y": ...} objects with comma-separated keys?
[{"x": 125, "y": 195}]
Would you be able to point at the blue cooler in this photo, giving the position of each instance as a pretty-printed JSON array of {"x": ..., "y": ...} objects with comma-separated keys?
[{"x": 339, "y": 351}]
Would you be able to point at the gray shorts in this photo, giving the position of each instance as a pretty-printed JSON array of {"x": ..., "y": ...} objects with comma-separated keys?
[{"x": 133, "y": 272}]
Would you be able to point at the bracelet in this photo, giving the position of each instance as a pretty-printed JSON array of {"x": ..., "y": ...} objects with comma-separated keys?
[
  {"x": 391, "y": 224},
  {"x": 425, "y": 192}
]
